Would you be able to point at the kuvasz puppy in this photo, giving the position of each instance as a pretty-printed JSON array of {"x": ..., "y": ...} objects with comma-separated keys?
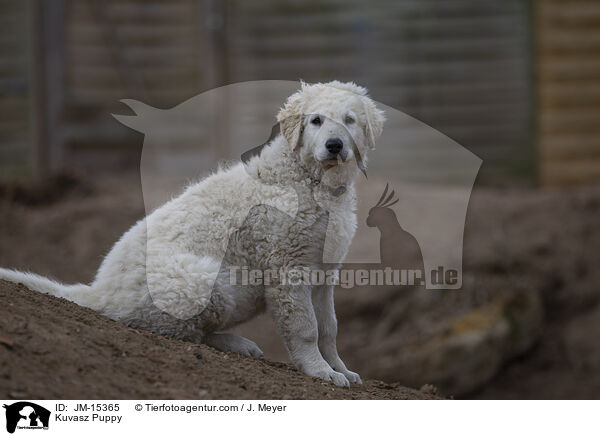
[{"x": 290, "y": 206}]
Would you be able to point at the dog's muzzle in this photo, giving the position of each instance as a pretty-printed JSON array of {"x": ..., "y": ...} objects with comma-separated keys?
[{"x": 334, "y": 146}]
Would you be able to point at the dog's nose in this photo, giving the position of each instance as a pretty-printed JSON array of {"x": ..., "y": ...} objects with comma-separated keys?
[{"x": 334, "y": 145}]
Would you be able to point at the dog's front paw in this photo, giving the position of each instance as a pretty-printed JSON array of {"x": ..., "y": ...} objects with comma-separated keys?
[
  {"x": 353, "y": 377},
  {"x": 337, "y": 378},
  {"x": 339, "y": 366}
]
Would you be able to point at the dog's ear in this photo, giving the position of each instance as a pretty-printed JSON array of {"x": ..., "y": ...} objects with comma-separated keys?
[
  {"x": 290, "y": 119},
  {"x": 374, "y": 122}
]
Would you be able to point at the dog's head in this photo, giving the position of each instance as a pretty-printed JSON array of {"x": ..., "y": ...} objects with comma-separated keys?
[{"x": 331, "y": 126}]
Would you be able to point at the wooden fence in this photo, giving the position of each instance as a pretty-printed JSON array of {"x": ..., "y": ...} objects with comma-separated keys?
[
  {"x": 17, "y": 152},
  {"x": 568, "y": 66},
  {"x": 465, "y": 68}
]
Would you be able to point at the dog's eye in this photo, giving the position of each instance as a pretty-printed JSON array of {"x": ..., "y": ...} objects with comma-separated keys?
[
  {"x": 349, "y": 119},
  {"x": 316, "y": 121}
]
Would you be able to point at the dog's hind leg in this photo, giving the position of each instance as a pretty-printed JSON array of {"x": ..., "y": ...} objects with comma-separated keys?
[{"x": 234, "y": 343}]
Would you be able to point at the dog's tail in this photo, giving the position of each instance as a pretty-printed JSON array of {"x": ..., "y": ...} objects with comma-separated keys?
[{"x": 42, "y": 284}]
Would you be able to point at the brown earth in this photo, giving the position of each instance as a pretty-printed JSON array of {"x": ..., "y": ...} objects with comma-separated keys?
[
  {"x": 518, "y": 242},
  {"x": 51, "y": 348}
]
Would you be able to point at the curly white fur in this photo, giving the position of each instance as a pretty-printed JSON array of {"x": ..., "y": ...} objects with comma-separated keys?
[{"x": 160, "y": 274}]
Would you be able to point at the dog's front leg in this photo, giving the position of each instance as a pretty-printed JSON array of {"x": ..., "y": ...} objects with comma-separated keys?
[
  {"x": 292, "y": 309},
  {"x": 322, "y": 298}
]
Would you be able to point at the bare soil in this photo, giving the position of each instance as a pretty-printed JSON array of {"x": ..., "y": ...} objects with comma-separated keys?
[{"x": 51, "y": 348}]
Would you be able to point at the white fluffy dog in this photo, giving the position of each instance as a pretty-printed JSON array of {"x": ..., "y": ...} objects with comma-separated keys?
[{"x": 163, "y": 274}]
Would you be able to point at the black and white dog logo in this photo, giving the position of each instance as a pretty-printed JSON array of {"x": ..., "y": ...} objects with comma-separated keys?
[{"x": 26, "y": 415}]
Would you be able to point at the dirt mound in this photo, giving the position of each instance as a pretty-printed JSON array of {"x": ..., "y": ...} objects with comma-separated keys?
[{"x": 52, "y": 348}]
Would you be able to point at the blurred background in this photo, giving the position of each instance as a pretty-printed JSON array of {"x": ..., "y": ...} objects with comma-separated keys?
[{"x": 517, "y": 82}]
